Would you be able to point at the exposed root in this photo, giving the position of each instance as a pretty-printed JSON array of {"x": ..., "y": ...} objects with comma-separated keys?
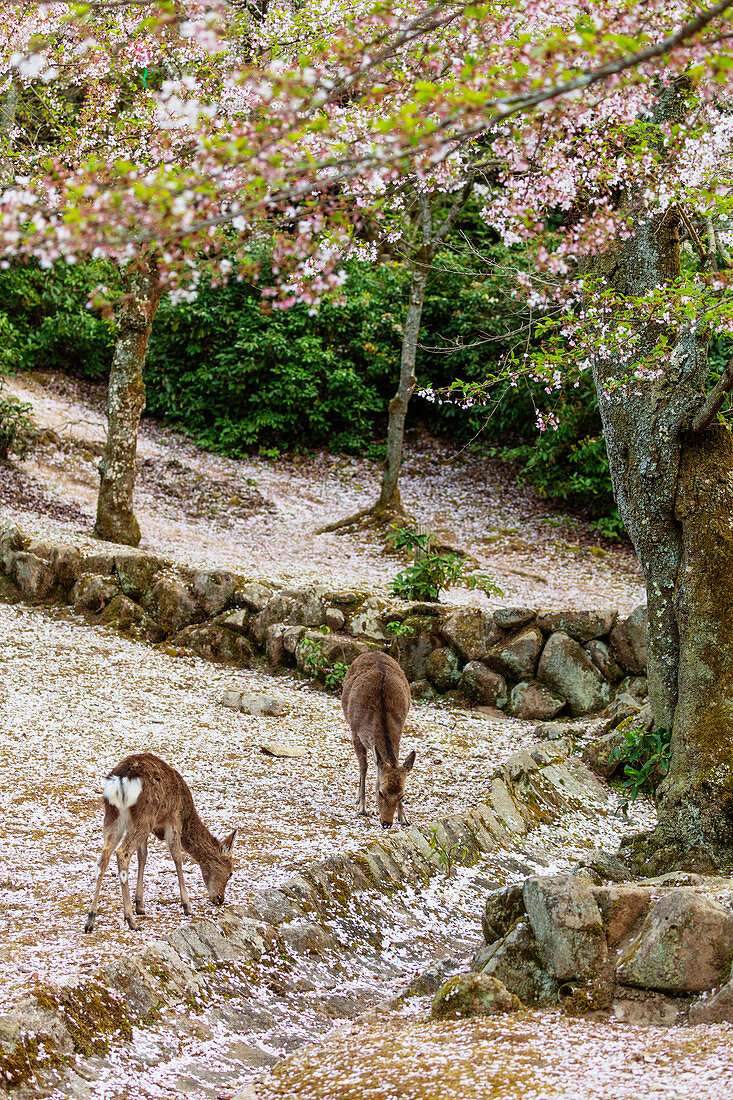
[{"x": 375, "y": 516}]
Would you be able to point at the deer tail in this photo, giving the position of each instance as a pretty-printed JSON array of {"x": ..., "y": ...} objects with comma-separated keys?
[{"x": 121, "y": 791}]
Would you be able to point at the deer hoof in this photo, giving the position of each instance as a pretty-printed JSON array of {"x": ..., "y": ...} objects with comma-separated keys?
[
  {"x": 89, "y": 923},
  {"x": 186, "y": 909},
  {"x": 132, "y": 925},
  {"x": 139, "y": 908}
]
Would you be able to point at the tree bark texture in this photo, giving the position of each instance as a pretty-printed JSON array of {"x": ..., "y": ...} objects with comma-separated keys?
[
  {"x": 389, "y": 496},
  {"x": 644, "y": 427},
  {"x": 116, "y": 521},
  {"x": 674, "y": 488},
  {"x": 695, "y": 801}
]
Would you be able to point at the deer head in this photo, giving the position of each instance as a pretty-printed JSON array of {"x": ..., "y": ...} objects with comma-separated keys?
[
  {"x": 217, "y": 868},
  {"x": 391, "y": 780}
]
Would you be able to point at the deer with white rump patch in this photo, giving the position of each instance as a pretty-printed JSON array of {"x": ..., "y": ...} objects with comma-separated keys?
[
  {"x": 376, "y": 699},
  {"x": 144, "y": 795}
]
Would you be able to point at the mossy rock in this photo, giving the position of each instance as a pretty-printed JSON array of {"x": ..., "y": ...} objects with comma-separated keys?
[{"x": 468, "y": 995}]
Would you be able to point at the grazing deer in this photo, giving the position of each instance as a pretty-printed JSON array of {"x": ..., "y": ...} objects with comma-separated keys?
[
  {"x": 376, "y": 699},
  {"x": 144, "y": 795}
]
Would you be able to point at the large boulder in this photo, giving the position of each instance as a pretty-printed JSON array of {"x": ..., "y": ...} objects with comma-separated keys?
[
  {"x": 368, "y": 622},
  {"x": 260, "y": 706},
  {"x": 685, "y": 945},
  {"x": 503, "y": 909},
  {"x": 11, "y": 538},
  {"x": 603, "y": 659},
  {"x": 532, "y": 700},
  {"x": 567, "y": 925},
  {"x": 628, "y": 640},
  {"x": 66, "y": 564},
  {"x": 253, "y": 595},
  {"x": 278, "y": 609},
  {"x": 32, "y": 574},
  {"x": 213, "y": 589},
  {"x": 567, "y": 669},
  {"x": 580, "y": 625},
  {"x": 621, "y": 907},
  {"x": 214, "y": 642},
  {"x": 171, "y": 605},
  {"x": 468, "y": 995},
  {"x": 412, "y": 650},
  {"x": 135, "y": 572},
  {"x": 508, "y": 618},
  {"x": 483, "y": 685},
  {"x": 472, "y": 632},
  {"x": 92, "y": 592},
  {"x": 130, "y": 618},
  {"x": 517, "y": 658},
  {"x": 309, "y": 606},
  {"x": 443, "y": 668},
  {"x": 516, "y": 962}
]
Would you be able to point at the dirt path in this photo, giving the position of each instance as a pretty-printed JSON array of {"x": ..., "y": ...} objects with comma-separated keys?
[{"x": 260, "y": 516}]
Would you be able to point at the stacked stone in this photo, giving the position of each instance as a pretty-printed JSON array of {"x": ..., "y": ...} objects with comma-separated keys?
[{"x": 528, "y": 663}]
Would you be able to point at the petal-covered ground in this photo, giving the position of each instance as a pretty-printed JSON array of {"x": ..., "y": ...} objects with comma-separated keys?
[
  {"x": 202, "y": 509},
  {"x": 75, "y": 699}
]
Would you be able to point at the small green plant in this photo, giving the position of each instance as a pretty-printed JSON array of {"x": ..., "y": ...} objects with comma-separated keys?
[
  {"x": 609, "y": 527},
  {"x": 448, "y": 854},
  {"x": 334, "y": 677},
  {"x": 431, "y": 571},
  {"x": 399, "y": 630},
  {"x": 313, "y": 655},
  {"x": 16, "y": 423},
  {"x": 645, "y": 755},
  {"x": 316, "y": 664}
]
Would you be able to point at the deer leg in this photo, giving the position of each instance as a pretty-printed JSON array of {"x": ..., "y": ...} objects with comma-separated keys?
[
  {"x": 114, "y": 829},
  {"x": 401, "y": 816},
  {"x": 135, "y": 837},
  {"x": 361, "y": 755},
  {"x": 174, "y": 847},
  {"x": 142, "y": 855}
]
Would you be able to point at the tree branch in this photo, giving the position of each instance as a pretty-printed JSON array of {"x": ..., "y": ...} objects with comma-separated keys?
[
  {"x": 713, "y": 403},
  {"x": 455, "y": 210}
]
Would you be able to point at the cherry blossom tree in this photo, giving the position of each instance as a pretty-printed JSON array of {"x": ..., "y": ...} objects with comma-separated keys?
[{"x": 608, "y": 127}]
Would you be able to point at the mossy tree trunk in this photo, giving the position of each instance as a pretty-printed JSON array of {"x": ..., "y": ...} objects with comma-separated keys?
[
  {"x": 672, "y": 476},
  {"x": 116, "y": 520},
  {"x": 695, "y": 802}
]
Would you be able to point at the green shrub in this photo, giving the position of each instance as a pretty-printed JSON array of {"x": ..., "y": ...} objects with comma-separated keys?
[
  {"x": 431, "y": 571},
  {"x": 15, "y": 424},
  {"x": 645, "y": 755}
]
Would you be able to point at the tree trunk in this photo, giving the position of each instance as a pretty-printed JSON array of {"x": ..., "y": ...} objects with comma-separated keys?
[
  {"x": 695, "y": 802},
  {"x": 673, "y": 490},
  {"x": 389, "y": 497},
  {"x": 125, "y": 403}
]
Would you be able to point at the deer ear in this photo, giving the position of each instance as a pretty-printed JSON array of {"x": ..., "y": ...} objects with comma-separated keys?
[
  {"x": 379, "y": 757},
  {"x": 409, "y": 761},
  {"x": 228, "y": 844}
]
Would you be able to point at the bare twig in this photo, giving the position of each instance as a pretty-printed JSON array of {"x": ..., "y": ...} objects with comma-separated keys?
[{"x": 713, "y": 403}]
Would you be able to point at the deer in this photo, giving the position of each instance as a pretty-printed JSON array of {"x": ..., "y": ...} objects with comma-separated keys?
[
  {"x": 375, "y": 700},
  {"x": 144, "y": 795}
]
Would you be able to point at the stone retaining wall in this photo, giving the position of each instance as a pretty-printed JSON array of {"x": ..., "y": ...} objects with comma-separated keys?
[
  {"x": 314, "y": 913},
  {"x": 527, "y": 662}
]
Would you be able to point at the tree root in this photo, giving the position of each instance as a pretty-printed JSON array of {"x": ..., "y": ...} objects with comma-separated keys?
[{"x": 376, "y": 516}]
